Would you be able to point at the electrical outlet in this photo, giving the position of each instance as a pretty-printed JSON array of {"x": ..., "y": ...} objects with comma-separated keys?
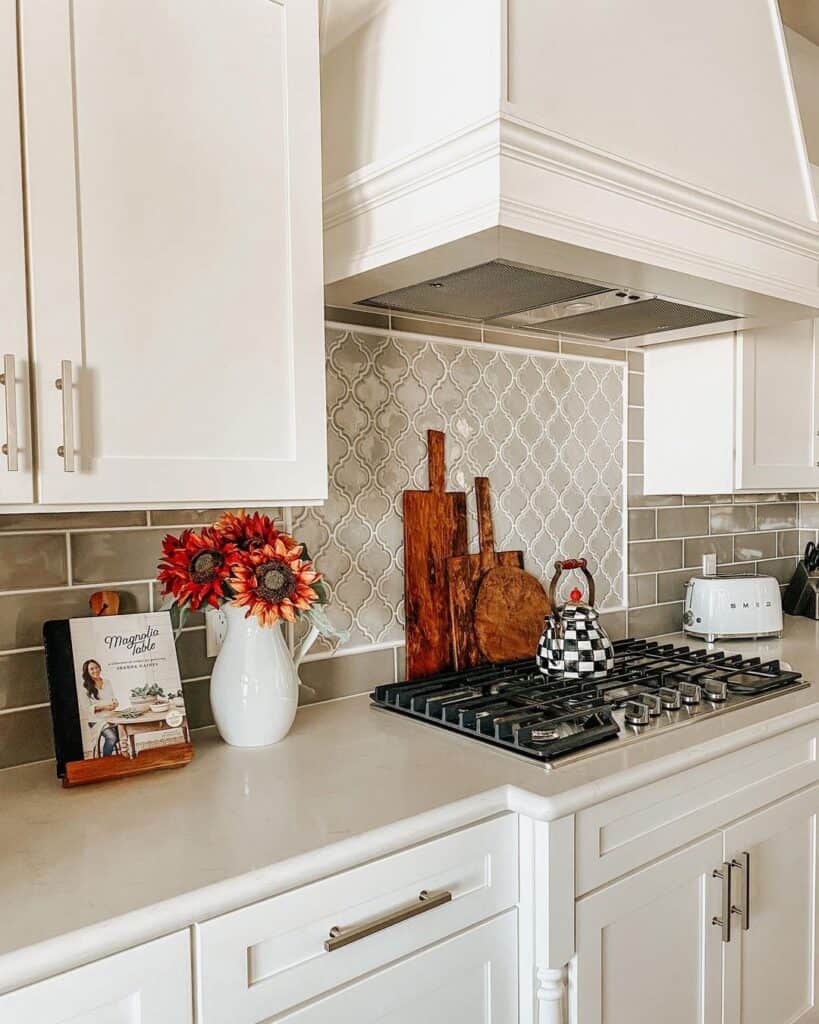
[
  {"x": 709, "y": 565},
  {"x": 215, "y": 630}
]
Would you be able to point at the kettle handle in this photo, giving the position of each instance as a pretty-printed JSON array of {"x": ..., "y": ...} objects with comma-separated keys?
[{"x": 571, "y": 563}]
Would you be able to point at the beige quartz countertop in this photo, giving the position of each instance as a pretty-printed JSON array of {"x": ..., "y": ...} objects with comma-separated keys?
[{"x": 351, "y": 782}]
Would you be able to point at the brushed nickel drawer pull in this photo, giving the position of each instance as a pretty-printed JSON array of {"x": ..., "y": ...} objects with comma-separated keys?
[
  {"x": 9, "y": 448},
  {"x": 65, "y": 383},
  {"x": 724, "y": 921},
  {"x": 426, "y": 901},
  {"x": 743, "y": 907}
]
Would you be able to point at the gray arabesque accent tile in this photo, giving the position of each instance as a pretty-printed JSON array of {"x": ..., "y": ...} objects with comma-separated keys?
[
  {"x": 33, "y": 560},
  {"x": 748, "y": 547},
  {"x": 22, "y": 615},
  {"x": 651, "y": 555},
  {"x": 345, "y": 675},
  {"x": 107, "y": 556},
  {"x": 25, "y": 736},
  {"x": 733, "y": 518},
  {"x": 682, "y": 522},
  {"x": 642, "y": 524},
  {"x": 22, "y": 680},
  {"x": 656, "y": 621}
]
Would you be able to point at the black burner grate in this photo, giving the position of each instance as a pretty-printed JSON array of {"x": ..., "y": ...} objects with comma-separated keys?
[{"x": 515, "y": 707}]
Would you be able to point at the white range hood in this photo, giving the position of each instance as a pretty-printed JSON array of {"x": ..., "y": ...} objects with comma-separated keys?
[{"x": 632, "y": 171}]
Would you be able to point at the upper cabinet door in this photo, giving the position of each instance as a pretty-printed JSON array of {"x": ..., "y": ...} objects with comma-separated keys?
[
  {"x": 16, "y": 481},
  {"x": 174, "y": 205},
  {"x": 777, "y": 408}
]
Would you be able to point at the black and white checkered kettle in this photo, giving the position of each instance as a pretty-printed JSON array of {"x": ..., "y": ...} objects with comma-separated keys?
[{"x": 574, "y": 645}]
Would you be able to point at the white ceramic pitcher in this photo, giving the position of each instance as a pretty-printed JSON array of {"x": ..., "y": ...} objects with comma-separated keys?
[{"x": 254, "y": 689}]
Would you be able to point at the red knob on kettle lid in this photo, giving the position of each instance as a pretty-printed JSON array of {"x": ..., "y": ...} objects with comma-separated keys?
[{"x": 575, "y": 595}]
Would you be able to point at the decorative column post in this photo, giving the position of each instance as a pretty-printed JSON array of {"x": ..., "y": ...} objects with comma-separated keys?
[{"x": 550, "y": 996}]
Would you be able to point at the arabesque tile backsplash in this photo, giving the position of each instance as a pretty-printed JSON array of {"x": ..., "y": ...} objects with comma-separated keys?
[{"x": 548, "y": 431}]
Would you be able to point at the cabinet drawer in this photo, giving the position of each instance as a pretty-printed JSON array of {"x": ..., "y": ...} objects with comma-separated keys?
[
  {"x": 619, "y": 835},
  {"x": 258, "y": 961},
  {"x": 472, "y": 977},
  {"x": 149, "y": 984}
]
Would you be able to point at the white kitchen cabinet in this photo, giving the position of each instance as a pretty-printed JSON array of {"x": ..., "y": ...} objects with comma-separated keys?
[
  {"x": 771, "y": 968},
  {"x": 472, "y": 977},
  {"x": 733, "y": 412},
  {"x": 16, "y": 484},
  {"x": 150, "y": 984},
  {"x": 174, "y": 215},
  {"x": 646, "y": 947}
]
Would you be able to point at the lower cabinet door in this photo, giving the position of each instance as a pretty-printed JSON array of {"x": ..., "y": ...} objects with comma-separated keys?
[
  {"x": 472, "y": 977},
  {"x": 149, "y": 984},
  {"x": 771, "y": 967},
  {"x": 647, "y": 951}
]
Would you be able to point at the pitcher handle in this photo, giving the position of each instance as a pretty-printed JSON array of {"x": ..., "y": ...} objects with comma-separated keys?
[{"x": 304, "y": 646}]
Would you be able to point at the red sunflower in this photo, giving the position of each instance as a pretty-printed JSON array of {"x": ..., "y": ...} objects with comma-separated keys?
[
  {"x": 247, "y": 531},
  {"x": 195, "y": 567},
  {"x": 273, "y": 582}
]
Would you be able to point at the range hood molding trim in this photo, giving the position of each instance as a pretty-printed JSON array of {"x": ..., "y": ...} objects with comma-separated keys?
[{"x": 506, "y": 136}]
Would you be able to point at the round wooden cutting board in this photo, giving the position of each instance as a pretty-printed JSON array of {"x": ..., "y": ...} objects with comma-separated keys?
[{"x": 509, "y": 612}]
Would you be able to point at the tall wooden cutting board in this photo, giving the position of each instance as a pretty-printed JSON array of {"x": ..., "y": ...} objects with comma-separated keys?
[
  {"x": 434, "y": 531},
  {"x": 465, "y": 575}
]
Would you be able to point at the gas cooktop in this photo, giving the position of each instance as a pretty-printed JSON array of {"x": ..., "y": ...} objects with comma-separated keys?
[{"x": 653, "y": 687}]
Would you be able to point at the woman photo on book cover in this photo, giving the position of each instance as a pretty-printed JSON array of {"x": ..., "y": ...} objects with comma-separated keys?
[{"x": 100, "y": 700}]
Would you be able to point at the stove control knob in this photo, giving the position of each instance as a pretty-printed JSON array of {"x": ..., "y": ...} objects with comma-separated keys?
[
  {"x": 636, "y": 713},
  {"x": 652, "y": 702},
  {"x": 716, "y": 690},
  {"x": 669, "y": 698},
  {"x": 690, "y": 693}
]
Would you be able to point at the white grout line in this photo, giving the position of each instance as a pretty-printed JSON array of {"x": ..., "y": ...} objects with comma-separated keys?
[
  {"x": 69, "y": 565},
  {"x": 20, "y": 650},
  {"x": 24, "y": 707}
]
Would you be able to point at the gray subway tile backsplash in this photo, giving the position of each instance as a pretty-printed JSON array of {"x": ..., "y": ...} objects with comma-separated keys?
[
  {"x": 748, "y": 547},
  {"x": 682, "y": 522},
  {"x": 777, "y": 517},
  {"x": 656, "y": 621},
  {"x": 652, "y": 555},
  {"x": 642, "y": 524},
  {"x": 22, "y": 680},
  {"x": 33, "y": 560},
  {"x": 733, "y": 518},
  {"x": 694, "y": 548},
  {"x": 107, "y": 556}
]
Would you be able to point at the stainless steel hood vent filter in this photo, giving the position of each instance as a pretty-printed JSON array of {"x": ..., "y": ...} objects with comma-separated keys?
[{"x": 485, "y": 292}]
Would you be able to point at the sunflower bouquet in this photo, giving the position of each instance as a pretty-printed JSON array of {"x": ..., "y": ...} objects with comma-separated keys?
[{"x": 247, "y": 561}]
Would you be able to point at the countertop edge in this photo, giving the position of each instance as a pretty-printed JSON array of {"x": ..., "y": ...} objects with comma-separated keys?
[{"x": 70, "y": 950}]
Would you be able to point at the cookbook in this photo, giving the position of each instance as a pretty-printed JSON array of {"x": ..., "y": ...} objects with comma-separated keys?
[{"x": 116, "y": 693}]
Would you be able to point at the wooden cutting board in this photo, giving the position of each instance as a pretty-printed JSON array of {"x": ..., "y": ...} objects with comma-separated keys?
[
  {"x": 465, "y": 575},
  {"x": 434, "y": 531},
  {"x": 509, "y": 614}
]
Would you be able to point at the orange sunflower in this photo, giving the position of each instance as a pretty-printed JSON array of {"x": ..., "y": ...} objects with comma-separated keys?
[
  {"x": 247, "y": 531},
  {"x": 195, "y": 567},
  {"x": 274, "y": 582}
]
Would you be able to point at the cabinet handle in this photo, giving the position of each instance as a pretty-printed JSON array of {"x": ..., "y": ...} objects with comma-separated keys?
[
  {"x": 724, "y": 920},
  {"x": 65, "y": 383},
  {"x": 9, "y": 448},
  {"x": 426, "y": 901},
  {"x": 743, "y": 907}
]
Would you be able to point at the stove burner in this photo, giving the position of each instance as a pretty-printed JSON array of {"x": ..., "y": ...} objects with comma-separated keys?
[{"x": 652, "y": 686}]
